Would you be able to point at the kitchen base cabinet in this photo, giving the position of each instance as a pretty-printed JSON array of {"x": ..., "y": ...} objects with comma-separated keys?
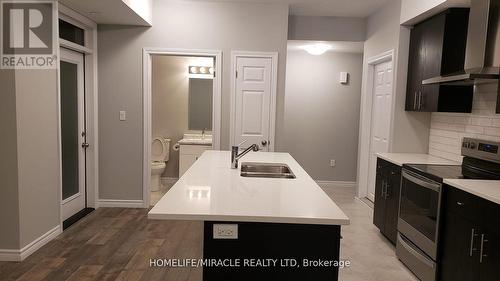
[
  {"x": 386, "y": 205},
  {"x": 470, "y": 238},
  {"x": 458, "y": 262}
]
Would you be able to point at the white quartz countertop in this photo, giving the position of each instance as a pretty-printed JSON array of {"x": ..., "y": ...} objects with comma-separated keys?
[
  {"x": 415, "y": 158},
  {"x": 486, "y": 189},
  {"x": 211, "y": 191}
]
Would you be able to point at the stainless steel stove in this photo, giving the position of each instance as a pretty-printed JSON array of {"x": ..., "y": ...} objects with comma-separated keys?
[{"x": 420, "y": 202}]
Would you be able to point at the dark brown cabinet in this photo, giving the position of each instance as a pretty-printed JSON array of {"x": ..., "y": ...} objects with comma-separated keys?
[
  {"x": 470, "y": 238},
  {"x": 386, "y": 206},
  {"x": 437, "y": 47}
]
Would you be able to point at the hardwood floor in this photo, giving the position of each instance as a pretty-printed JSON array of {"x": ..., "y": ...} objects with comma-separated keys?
[
  {"x": 117, "y": 244},
  {"x": 113, "y": 244}
]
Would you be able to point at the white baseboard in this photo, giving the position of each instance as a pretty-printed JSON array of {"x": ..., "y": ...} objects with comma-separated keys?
[
  {"x": 26, "y": 251},
  {"x": 346, "y": 184},
  {"x": 117, "y": 203},
  {"x": 166, "y": 180}
]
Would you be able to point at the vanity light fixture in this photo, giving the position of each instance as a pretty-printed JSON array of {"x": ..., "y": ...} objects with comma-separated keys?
[
  {"x": 206, "y": 72},
  {"x": 316, "y": 48}
]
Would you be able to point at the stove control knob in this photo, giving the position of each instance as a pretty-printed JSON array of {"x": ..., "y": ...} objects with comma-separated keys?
[{"x": 472, "y": 145}]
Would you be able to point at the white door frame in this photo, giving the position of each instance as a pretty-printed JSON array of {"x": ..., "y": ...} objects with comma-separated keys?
[
  {"x": 91, "y": 101},
  {"x": 73, "y": 203},
  {"x": 274, "y": 82},
  {"x": 366, "y": 118},
  {"x": 147, "y": 53}
]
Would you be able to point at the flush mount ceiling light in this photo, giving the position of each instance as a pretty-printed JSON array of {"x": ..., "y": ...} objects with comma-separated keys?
[{"x": 317, "y": 48}]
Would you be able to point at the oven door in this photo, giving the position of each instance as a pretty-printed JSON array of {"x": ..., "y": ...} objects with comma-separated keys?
[{"x": 419, "y": 211}]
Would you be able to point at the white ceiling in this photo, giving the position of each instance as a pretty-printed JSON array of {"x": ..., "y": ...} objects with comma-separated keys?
[
  {"x": 337, "y": 46},
  {"x": 339, "y": 8}
]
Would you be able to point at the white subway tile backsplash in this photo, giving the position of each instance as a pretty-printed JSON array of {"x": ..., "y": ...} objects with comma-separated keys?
[{"x": 448, "y": 129}]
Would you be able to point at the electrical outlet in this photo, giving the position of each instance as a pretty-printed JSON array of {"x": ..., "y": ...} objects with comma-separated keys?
[
  {"x": 333, "y": 163},
  {"x": 225, "y": 231}
]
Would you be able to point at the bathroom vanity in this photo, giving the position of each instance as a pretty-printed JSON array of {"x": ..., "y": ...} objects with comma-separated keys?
[
  {"x": 191, "y": 148},
  {"x": 264, "y": 227}
]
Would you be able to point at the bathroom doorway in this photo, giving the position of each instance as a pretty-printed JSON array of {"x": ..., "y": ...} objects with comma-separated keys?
[{"x": 182, "y": 116}]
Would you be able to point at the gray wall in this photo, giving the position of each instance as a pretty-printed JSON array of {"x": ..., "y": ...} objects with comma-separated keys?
[
  {"x": 177, "y": 24},
  {"x": 322, "y": 115},
  {"x": 326, "y": 28},
  {"x": 170, "y": 98},
  {"x": 409, "y": 130},
  {"x": 9, "y": 197},
  {"x": 29, "y": 170},
  {"x": 38, "y": 154}
]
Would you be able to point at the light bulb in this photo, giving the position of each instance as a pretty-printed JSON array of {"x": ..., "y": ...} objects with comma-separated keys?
[{"x": 317, "y": 49}]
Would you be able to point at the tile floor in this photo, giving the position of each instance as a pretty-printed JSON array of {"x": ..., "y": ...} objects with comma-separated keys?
[{"x": 372, "y": 255}]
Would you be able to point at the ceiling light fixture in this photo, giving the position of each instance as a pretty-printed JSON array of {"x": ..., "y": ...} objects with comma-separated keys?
[{"x": 317, "y": 48}]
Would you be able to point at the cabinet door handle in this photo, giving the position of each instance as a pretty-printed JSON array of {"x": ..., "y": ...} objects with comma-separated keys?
[
  {"x": 419, "y": 100},
  {"x": 383, "y": 189},
  {"x": 481, "y": 253},
  {"x": 387, "y": 195},
  {"x": 461, "y": 204},
  {"x": 472, "y": 236},
  {"x": 415, "y": 100}
]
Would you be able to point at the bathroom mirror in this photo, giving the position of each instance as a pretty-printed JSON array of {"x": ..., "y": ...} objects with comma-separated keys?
[{"x": 200, "y": 104}]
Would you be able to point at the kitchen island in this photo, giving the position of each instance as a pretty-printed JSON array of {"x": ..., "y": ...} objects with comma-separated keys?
[{"x": 290, "y": 223}]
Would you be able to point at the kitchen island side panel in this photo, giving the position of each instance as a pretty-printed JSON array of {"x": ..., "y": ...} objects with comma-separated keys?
[{"x": 285, "y": 244}]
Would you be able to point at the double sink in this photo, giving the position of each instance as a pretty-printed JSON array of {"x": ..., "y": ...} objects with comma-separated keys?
[{"x": 266, "y": 170}]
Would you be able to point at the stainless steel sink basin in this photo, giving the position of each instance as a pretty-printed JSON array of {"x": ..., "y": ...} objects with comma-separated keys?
[{"x": 266, "y": 170}]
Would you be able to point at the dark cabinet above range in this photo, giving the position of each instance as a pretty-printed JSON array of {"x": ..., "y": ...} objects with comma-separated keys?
[{"x": 437, "y": 47}]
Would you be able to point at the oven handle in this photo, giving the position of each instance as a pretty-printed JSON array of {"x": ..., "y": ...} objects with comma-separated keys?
[{"x": 421, "y": 181}]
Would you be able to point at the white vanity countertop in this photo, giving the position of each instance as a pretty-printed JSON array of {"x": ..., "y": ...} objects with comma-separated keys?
[
  {"x": 211, "y": 190},
  {"x": 415, "y": 158},
  {"x": 486, "y": 189},
  {"x": 196, "y": 141}
]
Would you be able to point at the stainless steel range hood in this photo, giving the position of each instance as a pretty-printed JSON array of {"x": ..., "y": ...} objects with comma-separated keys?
[{"x": 482, "y": 58}]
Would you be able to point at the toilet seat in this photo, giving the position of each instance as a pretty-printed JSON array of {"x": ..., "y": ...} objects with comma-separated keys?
[
  {"x": 158, "y": 165},
  {"x": 160, "y": 149}
]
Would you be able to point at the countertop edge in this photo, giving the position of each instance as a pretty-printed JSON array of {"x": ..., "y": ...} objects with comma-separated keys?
[
  {"x": 236, "y": 218},
  {"x": 381, "y": 156},
  {"x": 454, "y": 184}
]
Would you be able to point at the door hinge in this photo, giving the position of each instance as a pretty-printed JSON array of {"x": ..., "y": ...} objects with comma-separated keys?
[{"x": 236, "y": 74}]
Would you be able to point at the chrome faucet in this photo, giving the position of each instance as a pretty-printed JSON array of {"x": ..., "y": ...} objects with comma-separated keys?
[{"x": 235, "y": 156}]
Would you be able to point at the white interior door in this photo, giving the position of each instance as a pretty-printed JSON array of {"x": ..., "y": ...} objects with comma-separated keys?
[
  {"x": 381, "y": 119},
  {"x": 253, "y": 102},
  {"x": 72, "y": 100}
]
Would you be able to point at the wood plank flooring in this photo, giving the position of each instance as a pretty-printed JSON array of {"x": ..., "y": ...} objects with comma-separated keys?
[
  {"x": 116, "y": 244},
  {"x": 113, "y": 244}
]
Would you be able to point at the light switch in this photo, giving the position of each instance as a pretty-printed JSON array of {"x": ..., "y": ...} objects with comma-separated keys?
[
  {"x": 344, "y": 78},
  {"x": 123, "y": 115}
]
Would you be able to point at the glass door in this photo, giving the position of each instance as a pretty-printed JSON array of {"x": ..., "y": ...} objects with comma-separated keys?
[{"x": 73, "y": 145}]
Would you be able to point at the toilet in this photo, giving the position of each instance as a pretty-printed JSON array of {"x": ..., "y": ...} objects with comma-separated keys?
[{"x": 160, "y": 153}]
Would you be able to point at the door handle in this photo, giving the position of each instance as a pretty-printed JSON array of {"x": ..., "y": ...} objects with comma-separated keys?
[
  {"x": 420, "y": 100},
  {"x": 472, "y": 236},
  {"x": 264, "y": 143},
  {"x": 85, "y": 144},
  {"x": 481, "y": 253}
]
